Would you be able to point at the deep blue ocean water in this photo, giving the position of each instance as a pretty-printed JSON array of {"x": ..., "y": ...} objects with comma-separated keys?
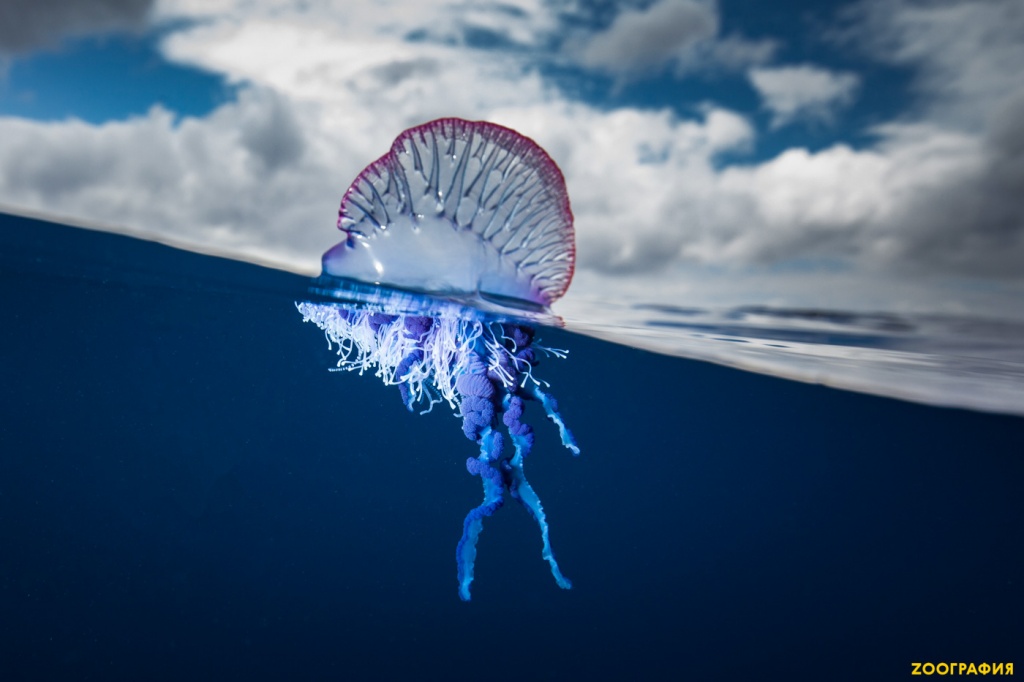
[{"x": 186, "y": 492}]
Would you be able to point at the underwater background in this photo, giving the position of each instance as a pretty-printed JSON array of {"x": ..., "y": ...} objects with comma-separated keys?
[{"x": 186, "y": 491}]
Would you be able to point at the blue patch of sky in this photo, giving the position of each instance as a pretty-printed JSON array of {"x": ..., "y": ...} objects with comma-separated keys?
[
  {"x": 485, "y": 39},
  {"x": 811, "y": 32},
  {"x": 99, "y": 79}
]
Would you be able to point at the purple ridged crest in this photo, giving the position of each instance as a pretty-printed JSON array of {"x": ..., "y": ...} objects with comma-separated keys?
[{"x": 459, "y": 207}]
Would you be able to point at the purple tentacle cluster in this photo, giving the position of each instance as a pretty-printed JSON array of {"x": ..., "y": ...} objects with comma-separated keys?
[
  {"x": 476, "y": 393},
  {"x": 487, "y": 392},
  {"x": 513, "y": 420},
  {"x": 478, "y": 467},
  {"x": 482, "y": 368},
  {"x": 416, "y": 328},
  {"x": 378, "y": 320}
]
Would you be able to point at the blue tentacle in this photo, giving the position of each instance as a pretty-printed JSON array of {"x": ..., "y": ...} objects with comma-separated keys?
[
  {"x": 551, "y": 407},
  {"x": 465, "y": 552},
  {"x": 520, "y": 488}
]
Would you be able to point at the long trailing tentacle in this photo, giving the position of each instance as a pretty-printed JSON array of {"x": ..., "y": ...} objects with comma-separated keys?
[
  {"x": 473, "y": 525},
  {"x": 520, "y": 488},
  {"x": 476, "y": 404},
  {"x": 484, "y": 396},
  {"x": 524, "y": 494}
]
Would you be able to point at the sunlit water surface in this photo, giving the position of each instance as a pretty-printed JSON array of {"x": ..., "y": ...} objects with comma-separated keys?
[{"x": 971, "y": 362}]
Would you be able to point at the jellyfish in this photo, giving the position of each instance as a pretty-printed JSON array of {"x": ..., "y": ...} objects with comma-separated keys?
[{"x": 455, "y": 243}]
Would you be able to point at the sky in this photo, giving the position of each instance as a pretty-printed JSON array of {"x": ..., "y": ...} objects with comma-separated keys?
[{"x": 864, "y": 155}]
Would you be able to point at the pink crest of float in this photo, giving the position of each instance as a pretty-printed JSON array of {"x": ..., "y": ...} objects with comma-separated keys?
[{"x": 459, "y": 207}]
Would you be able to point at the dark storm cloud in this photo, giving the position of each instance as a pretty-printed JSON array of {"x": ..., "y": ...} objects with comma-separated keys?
[
  {"x": 968, "y": 59},
  {"x": 965, "y": 56},
  {"x": 29, "y": 24},
  {"x": 976, "y": 227}
]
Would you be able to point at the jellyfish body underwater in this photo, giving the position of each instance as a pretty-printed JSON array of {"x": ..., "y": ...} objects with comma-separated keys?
[{"x": 455, "y": 242}]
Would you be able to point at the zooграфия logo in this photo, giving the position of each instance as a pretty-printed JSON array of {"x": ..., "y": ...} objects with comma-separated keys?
[{"x": 961, "y": 668}]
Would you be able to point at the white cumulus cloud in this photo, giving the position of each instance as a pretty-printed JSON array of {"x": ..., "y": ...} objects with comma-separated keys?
[
  {"x": 803, "y": 92},
  {"x": 681, "y": 34},
  {"x": 254, "y": 178}
]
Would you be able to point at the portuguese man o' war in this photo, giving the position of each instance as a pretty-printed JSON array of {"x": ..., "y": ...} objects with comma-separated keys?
[{"x": 455, "y": 241}]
